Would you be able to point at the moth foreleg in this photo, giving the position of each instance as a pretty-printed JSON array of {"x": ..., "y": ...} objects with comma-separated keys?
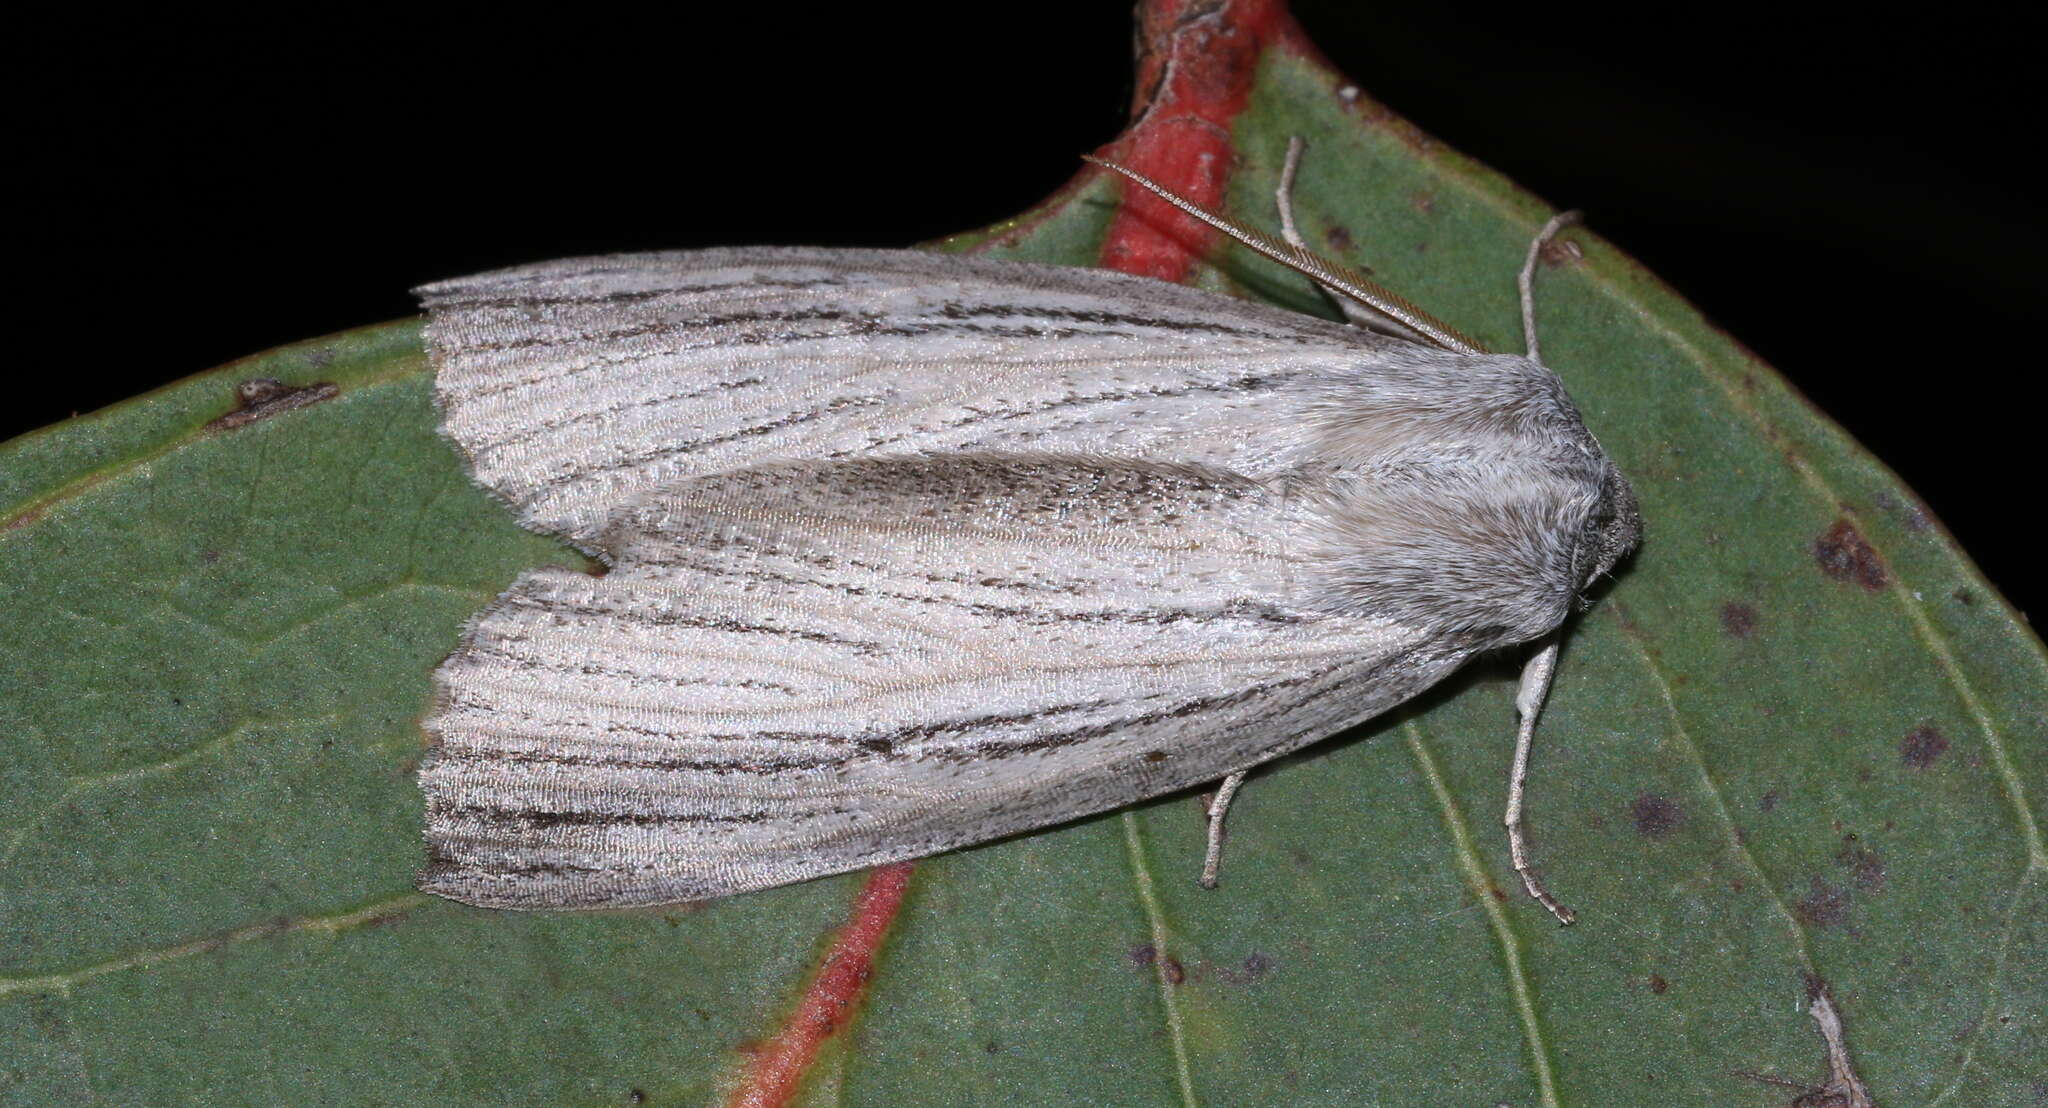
[
  {"x": 1217, "y": 807},
  {"x": 1528, "y": 704},
  {"x": 1356, "y": 313}
]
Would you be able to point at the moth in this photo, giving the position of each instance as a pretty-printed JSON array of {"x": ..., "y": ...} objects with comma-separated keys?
[{"x": 906, "y": 552}]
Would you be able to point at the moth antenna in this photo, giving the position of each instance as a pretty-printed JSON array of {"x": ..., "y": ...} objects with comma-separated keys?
[
  {"x": 1335, "y": 276},
  {"x": 1526, "y": 282}
]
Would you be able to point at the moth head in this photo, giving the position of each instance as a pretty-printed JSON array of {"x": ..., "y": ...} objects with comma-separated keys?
[
  {"x": 1464, "y": 496},
  {"x": 1611, "y": 532}
]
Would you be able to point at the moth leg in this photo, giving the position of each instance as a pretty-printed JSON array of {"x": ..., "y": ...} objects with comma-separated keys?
[
  {"x": 1217, "y": 807},
  {"x": 1355, "y": 313},
  {"x": 1528, "y": 703},
  {"x": 1525, "y": 283}
]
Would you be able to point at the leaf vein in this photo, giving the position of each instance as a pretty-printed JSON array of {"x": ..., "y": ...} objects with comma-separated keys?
[
  {"x": 1141, "y": 877},
  {"x": 62, "y": 983},
  {"x": 1482, "y": 886}
]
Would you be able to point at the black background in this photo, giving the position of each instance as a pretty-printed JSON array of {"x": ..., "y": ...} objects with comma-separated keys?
[{"x": 1847, "y": 195}]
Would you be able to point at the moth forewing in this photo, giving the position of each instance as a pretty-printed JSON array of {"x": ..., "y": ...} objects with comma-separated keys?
[{"x": 911, "y": 551}]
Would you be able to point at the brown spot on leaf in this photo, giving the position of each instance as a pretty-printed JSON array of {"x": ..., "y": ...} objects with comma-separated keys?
[
  {"x": 1338, "y": 239},
  {"x": 1559, "y": 251},
  {"x": 1922, "y": 746},
  {"x": 1965, "y": 597},
  {"x": 1175, "y": 973},
  {"x": 1144, "y": 954},
  {"x": 1738, "y": 619},
  {"x": 1824, "y": 905},
  {"x": 1865, "y": 866},
  {"x": 1769, "y": 800},
  {"x": 1912, "y": 516},
  {"x": 260, "y": 398},
  {"x": 1656, "y": 816},
  {"x": 1658, "y": 985},
  {"x": 1844, "y": 555}
]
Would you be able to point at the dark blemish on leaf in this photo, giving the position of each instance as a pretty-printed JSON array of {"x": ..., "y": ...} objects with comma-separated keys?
[
  {"x": 1738, "y": 619},
  {"x": 24, "y": 519},
  {"x": 260, "y": 398},
  {"x": 1922, "y": 746},
  {"x": 1845, "y": 556},
  {"x": 1865, "y": 866},
  {"x": 1910, "y": 515},
  {"x": 1965, "y": 597},
  {"x": 1425, "y": 202},
  {"x": 1559, "y": 251},
  {"x": 1658, "y": 985},
  {"x": 1144, "y": 954},
  {"x": 1769, "y": 801},
  {"x": 1656, "y": 816},
  {"x": 1338, "y": 238},
  {"x": 1824, "y": 905},
  {"x": 1175, "y": 972},
  {"x": 1254, "y": 967},
  {"x": 1865, "y": 774},
  {"x": 637, "y": 1096},
  {"x": 1422, "y": 248},
  {"x": 990, "y": 1047}
]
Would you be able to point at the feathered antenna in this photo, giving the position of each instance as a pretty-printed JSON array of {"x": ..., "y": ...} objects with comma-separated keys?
[{"x": 1337, "y": 277}]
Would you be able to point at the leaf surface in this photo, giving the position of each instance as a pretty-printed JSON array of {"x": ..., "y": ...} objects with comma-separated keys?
[{"x": 1798, "y": 745}]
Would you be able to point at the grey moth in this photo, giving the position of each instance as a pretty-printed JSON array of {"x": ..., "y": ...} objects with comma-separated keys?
[{"x": 908, "y": 551}]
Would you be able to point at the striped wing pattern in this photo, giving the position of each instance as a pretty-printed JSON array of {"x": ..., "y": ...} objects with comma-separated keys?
[
  {"x": 906, "y": 553},
  {"x": 572, "y": 387}
]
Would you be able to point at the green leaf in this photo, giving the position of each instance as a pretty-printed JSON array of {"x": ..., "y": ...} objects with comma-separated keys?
[{"x": 1800, "y": 741}]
